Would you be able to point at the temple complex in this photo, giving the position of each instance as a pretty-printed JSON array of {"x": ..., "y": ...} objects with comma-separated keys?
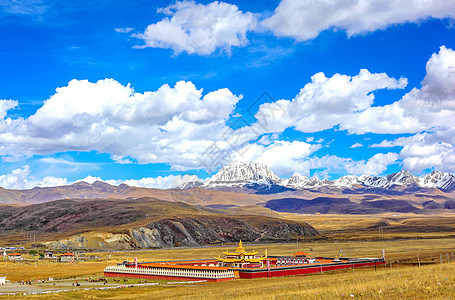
[
  {"x": 238, "y": 264},
  {"x": 241, "y": 258}
]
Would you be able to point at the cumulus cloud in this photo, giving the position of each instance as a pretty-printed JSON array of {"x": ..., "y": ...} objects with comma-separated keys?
[
  {"x": 5, "y": 105},
  {"x": 281, "y": 156},
  {"x": 49, "y": 181},
  {"x": 21, "y": 179},
  {"x": 326, "y": 102},
  {"x": 171, "y": 125},
  {"x": 376, "y": 165},
  {"x": 218, "y": 26},
  {"x": 162, "y": 182},
  {"x": 346, "y": 102},
  {"x": 181, "y": 125},
  {"x": 17, "y": 179},
  {"x": 305, "y": 19},
  {"x": 432, "y": 111},
  {"x": 422, "y": 151},
  {"x": 198, "y": 28},
  {"x": 429, "y": 108},
  {"x": 285, "y": 157},
  {"x": 304, "y": 163}
]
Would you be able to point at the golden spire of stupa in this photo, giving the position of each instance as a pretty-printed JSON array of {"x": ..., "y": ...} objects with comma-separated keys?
[{"x": 240, "y": 248}]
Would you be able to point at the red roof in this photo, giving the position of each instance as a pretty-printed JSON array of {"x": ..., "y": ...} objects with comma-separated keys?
[
  {"x": 300, "y": 253},
  {"x": 14, "y": 254},
  {"x": 67, "y": 254}
]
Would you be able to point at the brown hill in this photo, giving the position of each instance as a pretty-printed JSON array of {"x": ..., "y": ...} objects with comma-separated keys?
[
  {"x": 101, "y": 190},
  {"x": 141, "y": 223}
]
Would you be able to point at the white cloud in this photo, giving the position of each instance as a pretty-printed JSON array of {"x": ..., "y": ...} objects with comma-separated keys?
[
  {"x": 17, "y": 179},
  {"x": 326, "y": 102},
  {"x": 285, "y": 158},
  {"x": 402, "y": 141},
  {"x": 49, "y": 181},
  {"x": 180, "y": 125},
  {"x": 5, "y": 105},
  {"x": 309, "y": 139},
  {"x": 305, "y": 19},
  {"x": 124, "y": 29},
  {"x": 64, "y": 162},
  {"x": 21, "y": 179},
  {"x": 90, "y": 179},
  {"x": 23, "y": 7},
  {"x": 281, "y": 156},
  {"x": 171, "y": 125},
  {"x": 345, "y": 102},
  {"x": 162, "y": 182},
  {"x": 198, "y": 28},
  {"x": 428, "y": 108},
  {"x": 356, "y": 145},
  {"x": 438, "y": 156},
  {"x": 376, "y": 165}
]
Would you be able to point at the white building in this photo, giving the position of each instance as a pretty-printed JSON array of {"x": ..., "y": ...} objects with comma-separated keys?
[
  {"x": 15, "y": 256},
  {"x": 2, "y": 280}
]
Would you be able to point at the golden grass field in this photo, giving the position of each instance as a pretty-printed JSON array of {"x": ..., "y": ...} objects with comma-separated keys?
[
  {"x": 429, "y": 240},
  {"x": 425, "y": 282}
]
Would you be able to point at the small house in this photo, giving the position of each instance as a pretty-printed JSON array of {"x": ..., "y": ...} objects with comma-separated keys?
[
  {"x": 2, "y": 280},
  {"x": 49, "y": 255},
  {"x": 67, "y": 257},
  {"x": 15, "y": 256}
]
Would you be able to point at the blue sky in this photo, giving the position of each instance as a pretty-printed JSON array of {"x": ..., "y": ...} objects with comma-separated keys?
[{"x": 158, "y": 88}]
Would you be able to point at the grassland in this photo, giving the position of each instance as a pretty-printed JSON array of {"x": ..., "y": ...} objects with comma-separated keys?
[
  {"x": 425, "y": 282},
  {"x": 408, "y": 241},
  {"x": 403, "y": 252}
]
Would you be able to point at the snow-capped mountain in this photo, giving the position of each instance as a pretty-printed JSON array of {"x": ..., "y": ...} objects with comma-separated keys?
[
  {"x": 374, "y": 181},
  {"x": 403, "y": 178},
  {"x": 258, "y": 176},
  {"x": 243, "y": 172},
  {"x": 299, "y": 181},
  {"x": 296, "y": 181},
  {"x": 190, "y": 185},
  {"x": 347, "y": 181},
  {"x": 439, "y": 180}
]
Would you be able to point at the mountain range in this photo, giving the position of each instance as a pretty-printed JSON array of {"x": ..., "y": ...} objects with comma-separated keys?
[
  {"x": 241, "y": 183},
  {"x": 240, "y": 174}
]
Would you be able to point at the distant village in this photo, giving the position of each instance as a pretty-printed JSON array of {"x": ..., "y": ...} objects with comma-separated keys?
[{"x": 31, "y": 255}]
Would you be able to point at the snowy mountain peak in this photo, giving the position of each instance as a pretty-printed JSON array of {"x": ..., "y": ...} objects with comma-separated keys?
[
  {"x": 374, "y": 181},
  {"x": 347, "y": 181},
  {"x": 240, "y": 171},
  {"x": 241, "y": 174},
  {"x": 403, "y": 178},
  {"x": 438, "y": 179},
  {"x": 296, "y": 181}
]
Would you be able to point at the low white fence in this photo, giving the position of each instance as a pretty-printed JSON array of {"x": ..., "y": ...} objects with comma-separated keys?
[{"x": 175, "y": 272}]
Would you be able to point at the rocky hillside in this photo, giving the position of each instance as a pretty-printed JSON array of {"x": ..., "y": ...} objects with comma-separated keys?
[
  {"x": 205, "y": 230},
  {"x": 142, "y": 223}
]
